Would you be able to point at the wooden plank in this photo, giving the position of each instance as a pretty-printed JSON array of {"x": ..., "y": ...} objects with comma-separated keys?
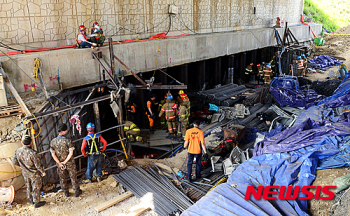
[
  {"x": 166, "y": 167},
  {"x": 138, "y": 211},
  {"x": 97, "y": 117},
  {"x": 14, "y": 92},
  {"x": 113, "y": 201}
]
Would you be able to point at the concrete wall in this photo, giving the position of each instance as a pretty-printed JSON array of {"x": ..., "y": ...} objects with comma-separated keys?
[
  {"x": 50, "y": 23},
  {"x": 76, "y": 66}
]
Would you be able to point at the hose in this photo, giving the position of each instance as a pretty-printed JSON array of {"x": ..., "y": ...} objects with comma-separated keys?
[
  {"x": 175, "y": 151},
  {"x": 279, "y": 57},
  {"x": 302, "y": 21},
  {"x": 119, "y": 152},
  {"x": 37, "y": 65}
]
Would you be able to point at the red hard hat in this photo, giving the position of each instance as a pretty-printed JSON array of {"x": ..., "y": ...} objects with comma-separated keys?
[
  {"x": 183, "y": 96},
  {"x": 251, "y": 64},
  {"x": 95, "y": 23},
  {"x": 181, "y": 92},
  {"x": 258, "y": 65},
  {"x": 174, "y": 106},
  {"x": 82, "y": 28}
]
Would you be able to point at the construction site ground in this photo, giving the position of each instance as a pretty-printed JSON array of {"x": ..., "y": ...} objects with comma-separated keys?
[{"x": 95, "y": 193}]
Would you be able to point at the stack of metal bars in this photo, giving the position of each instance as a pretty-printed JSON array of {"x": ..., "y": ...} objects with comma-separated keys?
[{"x": 167, "y": 199}]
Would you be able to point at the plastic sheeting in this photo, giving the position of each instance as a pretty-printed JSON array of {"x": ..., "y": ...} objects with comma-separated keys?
[
  {"x": 285, "y": 82},
  {"x": 317, "y": 114},
  {"x": 323, "y": 62},
  {"x": 340, "y": 96},
  {"x": 305, "y": 134},
  {"x": 291, "y": 98},
  {"x": 297, "y": 168}
]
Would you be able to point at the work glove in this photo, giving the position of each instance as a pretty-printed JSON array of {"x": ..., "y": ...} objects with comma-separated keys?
[
  {"x": 94, "y": 44},
  {"x": 206, "y": 156}
]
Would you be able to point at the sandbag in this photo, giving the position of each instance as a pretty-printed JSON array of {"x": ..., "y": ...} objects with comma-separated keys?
[
  {"x": 17, "y": 182},
  {"x": 7, "y": 171},
  {"x": 342, "y": 183},
  {"x": 8, "y": 149}
]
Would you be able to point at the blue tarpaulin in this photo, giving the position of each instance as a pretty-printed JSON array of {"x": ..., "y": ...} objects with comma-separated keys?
[
  {"x": 292, "y": 98},
  {"x": 323, "y": 62},
  {"x": 340, "y": 96},
  {"x": 296, "y": 167},
  {"x": 285, "y": 82},
  {"x": 318, "y": 114}
]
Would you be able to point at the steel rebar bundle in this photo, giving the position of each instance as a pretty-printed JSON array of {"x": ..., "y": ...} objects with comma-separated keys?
[{"x": 167, "y": 199}]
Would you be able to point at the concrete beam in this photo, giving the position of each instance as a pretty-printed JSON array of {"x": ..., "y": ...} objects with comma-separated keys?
[{"x": 77, "y": 66}]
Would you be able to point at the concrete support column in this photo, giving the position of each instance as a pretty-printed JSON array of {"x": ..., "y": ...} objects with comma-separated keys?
[
  {"x": 184, "y": 75},
  {"x": 217, "y": 71},
  {"x": 242, "y": 66},
  {"x": 201, "y": 74},
  {"x": 230, "y": 70}
]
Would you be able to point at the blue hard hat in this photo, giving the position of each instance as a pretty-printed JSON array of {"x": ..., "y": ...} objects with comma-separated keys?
[
  {"x": 269, "y": 64},
  {"x": 90, "y": 126},
  {"x": 169, "y": 97},
  {"x": 302, "y": 55},
  {"x": 299, "y": 57}
]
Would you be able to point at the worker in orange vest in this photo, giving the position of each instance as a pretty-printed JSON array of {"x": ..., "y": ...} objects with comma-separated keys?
[
  {"x": 82, "y": 41},
  {"x": 131, "y": 110},
  {"x": 194, "y": 140},
  {"x": 151, "y": 109}
]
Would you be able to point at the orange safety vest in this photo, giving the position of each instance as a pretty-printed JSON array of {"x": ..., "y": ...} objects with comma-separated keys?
[{"x": 79, "y": 41}]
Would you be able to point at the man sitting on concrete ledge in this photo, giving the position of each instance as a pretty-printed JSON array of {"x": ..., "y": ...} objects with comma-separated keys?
[
  {"x": 82, "y": 41},
  {"x": 99, "y": 38}
]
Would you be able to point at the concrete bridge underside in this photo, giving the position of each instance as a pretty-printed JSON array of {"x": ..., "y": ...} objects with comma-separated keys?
[{"x": 77, "y": 67}]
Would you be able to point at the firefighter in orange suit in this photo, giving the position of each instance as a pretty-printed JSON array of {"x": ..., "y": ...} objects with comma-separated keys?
[
  {"x": 169, "y": 108},
  {"x": 151, "y": 109}
]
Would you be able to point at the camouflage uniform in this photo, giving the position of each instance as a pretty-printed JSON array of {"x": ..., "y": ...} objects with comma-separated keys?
[
  {"x": 61, "y": 146},
  {"x": 132, "y": 131},
  {"x": 29, "y": 161}
]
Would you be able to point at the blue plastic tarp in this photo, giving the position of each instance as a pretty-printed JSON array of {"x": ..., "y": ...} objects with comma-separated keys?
[
  {"x": 296, "y": 167},
  {"x": 305, "y": 134},
  {"x": 318, "y": 114},
  {"x": 291, "y": 98},
  {"x": 323, "y": 62},
  {"x": 340, "y": 96},
  {"x": 285, "y": 82}
]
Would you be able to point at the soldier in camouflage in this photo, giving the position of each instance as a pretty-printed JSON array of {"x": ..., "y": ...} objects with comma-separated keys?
[
  {"x": 32, "y": 170},
  {"x": 62, "y": 152}
]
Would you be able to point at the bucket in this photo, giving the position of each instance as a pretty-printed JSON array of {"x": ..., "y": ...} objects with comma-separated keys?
[
  {"x": 16, "y": 182},
  {"x": 7, "y": 194}
]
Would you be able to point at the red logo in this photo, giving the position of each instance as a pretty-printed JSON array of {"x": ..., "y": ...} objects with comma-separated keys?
[{"x": 289, "y": 192}]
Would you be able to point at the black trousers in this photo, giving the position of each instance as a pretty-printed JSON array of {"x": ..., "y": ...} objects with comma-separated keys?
[{"x": 198, "y": 164}]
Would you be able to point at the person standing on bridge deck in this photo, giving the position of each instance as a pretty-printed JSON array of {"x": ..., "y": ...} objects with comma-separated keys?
[{"x": 151, "y": 109}]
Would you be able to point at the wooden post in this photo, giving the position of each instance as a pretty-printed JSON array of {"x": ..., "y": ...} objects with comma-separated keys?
[
  {"x": 14, "y": 92},
  {"x": 201, "y": 74},
  {"x": 97, "y": 117}
]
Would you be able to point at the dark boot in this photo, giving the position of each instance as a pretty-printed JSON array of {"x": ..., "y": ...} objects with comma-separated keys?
[
  {"x": 78, "y": 192},
  {"x": 31, "y": 202},
  {"x": 39, "y": 204},
  {"x": 66, "y": 193}
]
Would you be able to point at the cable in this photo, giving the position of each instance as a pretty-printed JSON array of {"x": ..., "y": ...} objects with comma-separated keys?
[
  {"x": 169, "y": 26},
  {"x": 37, "y": 65},
  {"x": 11, "y": 96},
  {"x": 31, "y": 78},
  {"x": 38, "y": 126}
]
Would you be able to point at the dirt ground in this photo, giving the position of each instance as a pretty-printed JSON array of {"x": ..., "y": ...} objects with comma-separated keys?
[{"x": 93, "y": 194}]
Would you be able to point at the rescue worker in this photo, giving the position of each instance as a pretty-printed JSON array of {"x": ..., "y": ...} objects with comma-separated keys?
[
  {"x": 267, "y": 74},
  {"x": 82, "y": 41},
  {"x": 93, "y": 147},
  {"x": 168, "y": 109},
  {"x": 248, "y": 72},
  {"x": 161, "y": 103},
  {"x": 183, "y": 118},
  {"x": 273, "y": 64},
  {"x": 300, "y": 63},
  {"x": 131, "y": 111},
  {"x": 305, "y": 64},
  {"x": 194, "y": 140},
  {"x": 132, "y": 131},
  {"x": 62, "y": 150},
  {"x": 98, "y": 32},
  {"x": 260, "y": 73},
  {"x": 32, "y": 170},
  {"x": 151, "y": 108},
  {"x": 178, "y": 99}
]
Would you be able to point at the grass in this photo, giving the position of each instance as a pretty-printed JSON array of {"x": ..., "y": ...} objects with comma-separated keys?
[{"x": 333, "y": 14}]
